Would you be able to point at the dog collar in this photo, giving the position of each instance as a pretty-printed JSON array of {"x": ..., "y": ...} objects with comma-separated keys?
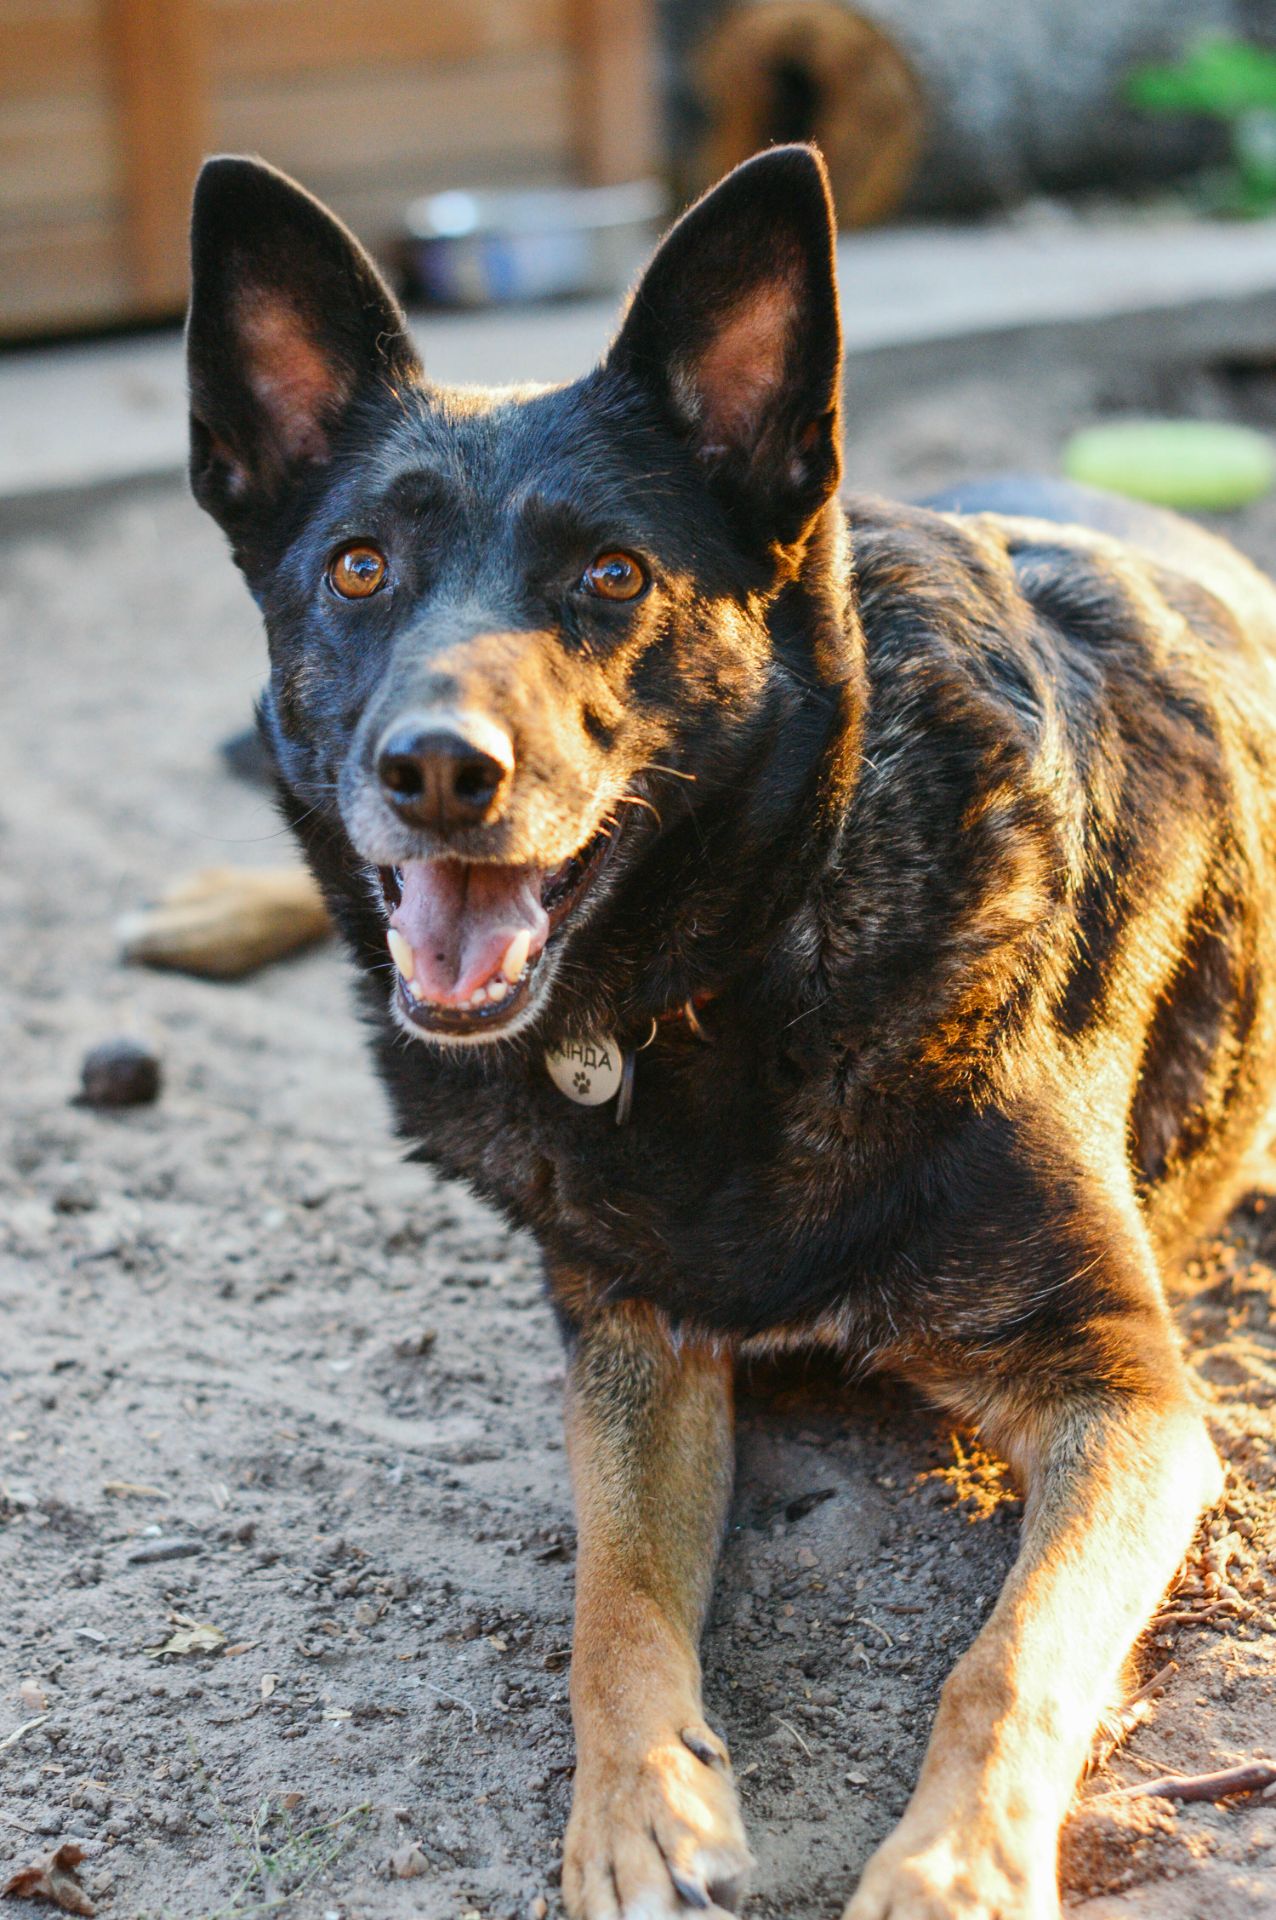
[{"x": 593, "y": 1071}]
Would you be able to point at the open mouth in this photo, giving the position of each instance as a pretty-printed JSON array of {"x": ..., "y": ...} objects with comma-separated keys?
[{"x": 467, "y": 937}]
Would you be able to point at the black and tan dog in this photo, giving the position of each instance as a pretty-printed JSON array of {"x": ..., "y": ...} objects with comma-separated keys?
[{"x": 899, "y": 879}]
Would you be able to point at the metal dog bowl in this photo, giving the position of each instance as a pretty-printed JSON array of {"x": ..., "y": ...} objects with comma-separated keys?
[{"x": 529, "y": 243}]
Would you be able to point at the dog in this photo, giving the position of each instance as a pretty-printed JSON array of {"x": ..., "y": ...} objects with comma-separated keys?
[{"x": 820, "y": 923}]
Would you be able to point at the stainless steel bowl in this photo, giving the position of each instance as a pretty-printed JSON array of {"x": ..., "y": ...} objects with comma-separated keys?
[{"x": 479, "y": 249}]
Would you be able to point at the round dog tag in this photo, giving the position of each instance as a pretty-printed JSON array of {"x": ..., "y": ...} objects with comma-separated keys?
[{"x": 587, "y": 1071}]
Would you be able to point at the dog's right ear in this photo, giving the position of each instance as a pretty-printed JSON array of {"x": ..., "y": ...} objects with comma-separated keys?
[{"x": 290, "y": 324}]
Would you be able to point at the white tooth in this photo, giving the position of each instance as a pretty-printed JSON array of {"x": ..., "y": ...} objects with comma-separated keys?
[
  {"x": 498, "y": 990},
  {"x": 401, "y": 953},
  {"x": 516, "y": 956},
  {"x": 479, "y": 997},
  {"x": 416, "y": 992}
]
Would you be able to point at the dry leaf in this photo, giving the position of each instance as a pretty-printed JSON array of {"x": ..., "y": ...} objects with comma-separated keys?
[
  {"x": 33, "y": 1696},
  {"x": 192, "y": 1636},
  {"x": 240, "y": 1646},
  {"x": 128, "y": 1490},
  {"x": 269, "y": 1681},
  {"x": 53, "y": 1878}
]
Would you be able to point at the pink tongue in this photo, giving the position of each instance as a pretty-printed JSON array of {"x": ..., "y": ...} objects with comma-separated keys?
[{"x": 459, "y": 919}]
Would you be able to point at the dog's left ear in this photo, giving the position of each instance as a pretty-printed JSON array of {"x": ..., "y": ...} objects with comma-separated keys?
[
  {"x": 290, "y": 327},
  {"x": 734, "y": 331}
]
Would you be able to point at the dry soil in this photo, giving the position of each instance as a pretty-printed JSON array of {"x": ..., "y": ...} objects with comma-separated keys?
[{"x": 258, "y": 1374}]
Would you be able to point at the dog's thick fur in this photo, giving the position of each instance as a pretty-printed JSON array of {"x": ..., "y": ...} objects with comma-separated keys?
[{"x": 958, "y": 829}]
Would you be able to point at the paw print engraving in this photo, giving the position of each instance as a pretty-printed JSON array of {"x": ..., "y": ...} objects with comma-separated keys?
[{"x": 582, "y": 1082}]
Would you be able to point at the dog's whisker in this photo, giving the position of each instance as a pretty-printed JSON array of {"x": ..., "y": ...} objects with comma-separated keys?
[{"x": 636, "y": 800}]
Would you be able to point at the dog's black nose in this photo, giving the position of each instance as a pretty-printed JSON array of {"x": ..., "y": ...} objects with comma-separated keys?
[{"x": 446, "y": 770}]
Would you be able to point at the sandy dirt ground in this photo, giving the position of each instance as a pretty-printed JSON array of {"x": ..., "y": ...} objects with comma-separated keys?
[{"x": 257, "y": 1374}]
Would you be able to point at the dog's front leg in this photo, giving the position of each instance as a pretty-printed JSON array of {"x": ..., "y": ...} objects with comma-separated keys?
[
  {"x": 1115, "y": 1475},
  {"x": 655, "y": 1828}
]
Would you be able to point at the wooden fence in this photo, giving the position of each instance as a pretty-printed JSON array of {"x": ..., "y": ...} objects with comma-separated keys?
[{"x": 107, "y": 107}]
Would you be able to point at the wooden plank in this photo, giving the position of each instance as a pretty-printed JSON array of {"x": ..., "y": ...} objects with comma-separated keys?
[
  {"x": 57, "y": 155},
  {"x": 62, "y": 276},
  {"x": 48, "y": 46},
  {"x": 410, "y": 131},
  {"x": 615, "y": 107},
  {"x": 157, "y": 58},
  {"x": 256, "y": 39}
]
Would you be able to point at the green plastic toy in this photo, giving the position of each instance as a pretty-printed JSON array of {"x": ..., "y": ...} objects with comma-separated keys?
[{"x": 1209, "y": 466}]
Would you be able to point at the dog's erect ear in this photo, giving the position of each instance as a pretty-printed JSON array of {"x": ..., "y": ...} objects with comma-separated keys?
[
  {"x": 734, "y": 330},
  {"x": 289, "y": 324}
]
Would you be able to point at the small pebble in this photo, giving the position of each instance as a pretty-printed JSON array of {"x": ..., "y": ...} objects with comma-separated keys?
[
  {"x": 410, "y": 1346},
  {"x": 409, "y": 1863},
  {"x": 76, "y": 1194},
  {"x": 120, "y": 1073}
]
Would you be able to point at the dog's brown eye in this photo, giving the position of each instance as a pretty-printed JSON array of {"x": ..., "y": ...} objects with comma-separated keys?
[
  {"x": 357, "y": 571},
  {"x": 615, "y": 576}
]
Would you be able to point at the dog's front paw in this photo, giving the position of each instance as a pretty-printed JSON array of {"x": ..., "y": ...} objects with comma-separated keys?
[
  {"x": 957, "y": 1876},
  {"x": 655, "y": 1831}
]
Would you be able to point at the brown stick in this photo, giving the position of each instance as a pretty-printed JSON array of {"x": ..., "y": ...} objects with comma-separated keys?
[
  {"x": 1196, "y": 1617},
  {"x": 1251, "y": 1778},
  {"x": 1159, "y": 1679}
]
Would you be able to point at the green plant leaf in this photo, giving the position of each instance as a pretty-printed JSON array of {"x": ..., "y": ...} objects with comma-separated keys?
[{"x": 1218, "y": 77}]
